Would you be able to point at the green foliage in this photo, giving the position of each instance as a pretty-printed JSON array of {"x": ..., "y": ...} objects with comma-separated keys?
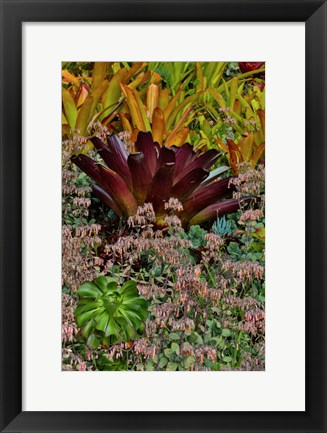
[
  {"x": 179, "y": 293},
  {"x": 78, "y": 186},
  {"x": 107, "y": 313},
  {"x": 196, "y": 236},
  {"x": 204, "y": 103}
]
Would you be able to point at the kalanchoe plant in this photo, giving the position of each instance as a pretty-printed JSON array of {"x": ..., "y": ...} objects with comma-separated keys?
[
  {"x": 108, "y": 313},
  {"x": 154, "y": 174}
]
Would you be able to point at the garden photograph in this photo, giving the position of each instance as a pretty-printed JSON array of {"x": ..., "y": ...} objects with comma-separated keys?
[{"x": 163, "y": 216}]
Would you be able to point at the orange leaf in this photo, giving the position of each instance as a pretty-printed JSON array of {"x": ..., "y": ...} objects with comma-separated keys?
[
  {"x": 125, "y": 122},
  {"x": 179, "y": 124},
  {"x": 134, "y": 69},
  {"x": 138, "y": 80},
  {"x": 155, "y": 78},
  {"x": 221, "y": 144},
  {"x": 237, "y": 107},
  {"x": 70, "y": 78},
  {"x": 152, "y": 99},
  {"x": 261, "y": 115},
  {"x": 234, "y": 156},
  {"x": 178, "y": 138},
  {"x": 163, "y": 98},
  {"x": 83, "y": 94},
  {"x": 257, "y": 154},
  {"x": 137, "y": 120},
  {"x": 158, "y": 125}
]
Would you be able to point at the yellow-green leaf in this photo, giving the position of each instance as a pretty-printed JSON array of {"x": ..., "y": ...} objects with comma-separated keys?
[
  {"x": 113, "y": 92},
  {"x": 233, "y": 92},
  {"x": 84, "y": 115},
  {"x": 97, "y": 95},
  {"x": 142, "y": 109},
  {"x": 99, "y": 73},
  {"x": 70, "y": 77},
  {"x": 218, "y": 97},
  {"x": 69, "y": 108},
  {"x": 170, "y": 107}
]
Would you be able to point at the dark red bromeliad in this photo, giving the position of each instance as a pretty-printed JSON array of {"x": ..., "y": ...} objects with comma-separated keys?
[
  {"x": 252, "y": 66},
  {"x": 153, "y": 174}
]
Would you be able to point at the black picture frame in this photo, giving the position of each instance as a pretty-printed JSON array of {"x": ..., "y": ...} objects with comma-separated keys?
[{"x": 13, "y": 14}]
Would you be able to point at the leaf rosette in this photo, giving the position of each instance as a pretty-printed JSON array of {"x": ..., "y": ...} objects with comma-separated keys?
[
  {"x": 109, "y": 313},
  {"x": 153, "y": 174}
]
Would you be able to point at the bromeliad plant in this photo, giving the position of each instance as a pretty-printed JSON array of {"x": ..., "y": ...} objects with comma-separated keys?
[
  {"x": 153, "y": 174},
  {"x": 108, "y": 313}
]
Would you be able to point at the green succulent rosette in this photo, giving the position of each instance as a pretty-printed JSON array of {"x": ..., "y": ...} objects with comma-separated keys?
[{"x": 108, "y": 313}]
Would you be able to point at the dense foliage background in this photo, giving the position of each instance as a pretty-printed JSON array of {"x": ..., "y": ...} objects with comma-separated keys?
[{"x": 163, "y": 271}]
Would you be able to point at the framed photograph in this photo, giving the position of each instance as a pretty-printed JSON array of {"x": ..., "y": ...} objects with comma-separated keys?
[{"x": 163, "y": 212}]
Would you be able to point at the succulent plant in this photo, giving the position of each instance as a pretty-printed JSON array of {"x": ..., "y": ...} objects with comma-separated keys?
[
  {"x": 153, "y": 174},
  {"x": 222, "y": 227},
  {"x": 108, "y": 313}
]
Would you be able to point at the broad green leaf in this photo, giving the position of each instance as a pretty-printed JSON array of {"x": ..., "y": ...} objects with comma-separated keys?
[
  {"x": 87, "y": 328},
  {"x": 88, "y": 290},
  {"x": 175, "y": 348},
  {"x": 88, "y": 307},
  {"x": 93, "y": 342},
  {"x": 111, "y": 328},
  {"x": 174, "y": 336},
  {"x": 101, "y": 282},
  {"x": 189, "y": 361},
  {"x": 168, "y": 352},
  {"x": 227, "y": 359},
  {"x": 127, "y": 286},
  {"x": 226, "y": 333},
  {"x": 102, "y": 321},
  {"x": 83, "y": 317},
  {"x": 171, "y": 366},
  {"x": 163, "y": 362}
]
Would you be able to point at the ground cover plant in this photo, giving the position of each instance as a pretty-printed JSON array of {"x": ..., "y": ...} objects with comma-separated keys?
[{"x": 163, "y": 216}]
